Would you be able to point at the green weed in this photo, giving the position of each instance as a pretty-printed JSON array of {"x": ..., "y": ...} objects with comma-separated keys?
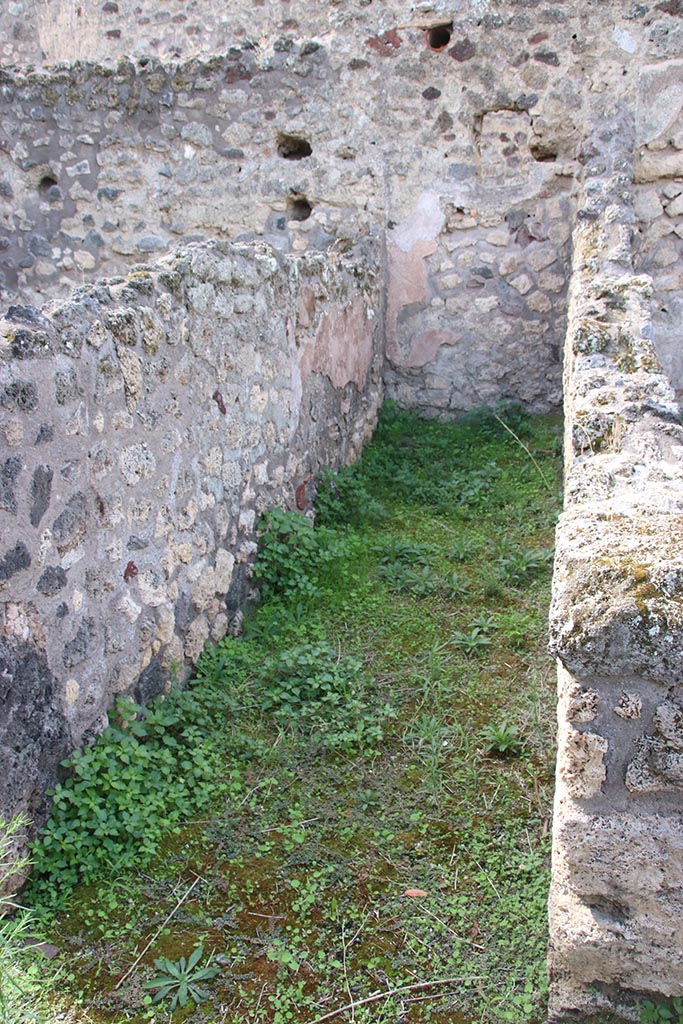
[
  {"x": 661, "y": 1013},
  {"x": 180, "y": 980}
]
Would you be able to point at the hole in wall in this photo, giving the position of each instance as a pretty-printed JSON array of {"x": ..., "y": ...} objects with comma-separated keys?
[
  {"x": 298, "y": 207},
  {"x": 543, "y": 152},
  {"x": 293, "y": 147},
  {"x": 45, "y": 184},
  {"x": 439, "y": 36}
]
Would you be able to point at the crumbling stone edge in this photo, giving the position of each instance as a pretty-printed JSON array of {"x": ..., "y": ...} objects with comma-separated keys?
[{"x": 616, "y": 928}]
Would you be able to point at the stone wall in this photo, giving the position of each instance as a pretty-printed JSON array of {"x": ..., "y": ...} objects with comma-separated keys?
[
  {"x": 617, "y": 625},
  {"x": 151, "y": 418},
  {"x": 349, "y": 124},
  {"x": 148, "y": 422},
  {"x": 659, "y": 203},
  {"x": 453, "y": 127}
]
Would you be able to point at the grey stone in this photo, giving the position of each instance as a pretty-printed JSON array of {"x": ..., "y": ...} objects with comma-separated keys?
[
  {"x": 9, "y": 471},
  {"x": 39, "y": 246},
  {"x": 21, "y": 395},
  {"x": 15, "y": 560},
  {"x": 78, "y": 648},
  {"x": 151, "y": 243},
  {"x": 67, "y": 387},
  {"x": 33, "y": 734},
  {"x": 70, "y": 525},
  {"x": 52, "y": 580},
  {"x": 46, "y": 433},
  {"x": 41, "y": 488}
]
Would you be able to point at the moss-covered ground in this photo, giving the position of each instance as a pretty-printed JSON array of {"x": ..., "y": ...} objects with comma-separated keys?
[{"x": 365, "y": 836}]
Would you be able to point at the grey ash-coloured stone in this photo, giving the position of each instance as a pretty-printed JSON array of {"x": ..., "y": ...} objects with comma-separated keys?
[
  {"x": 52, "y": 580},
  {"x": 9, "y": 471},
  {"x": 21, "y": 395},
  {"x": 41, "y": 489},
  {"x": 78, "y": 648},
  {"x": 69, "y": 526},
  {"x": 14, "y": 560},
  {"x": 34, "y": 735}
]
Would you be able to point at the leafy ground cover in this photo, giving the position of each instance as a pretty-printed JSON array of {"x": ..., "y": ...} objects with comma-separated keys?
[{"x": 346, "y": 815}]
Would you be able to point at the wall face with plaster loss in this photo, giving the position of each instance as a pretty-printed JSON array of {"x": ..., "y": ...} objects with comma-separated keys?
[
  {"x": 149, "y": 423},
  {"x": 484, "y": 165},
  {"x": 617, "y": 625}
]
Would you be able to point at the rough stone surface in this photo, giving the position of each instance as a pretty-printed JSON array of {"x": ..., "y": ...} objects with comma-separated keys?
[
  {"x": 617, "y": 622},
  {"x": 453, "y": 203},
  {"x": 131, "y": 522}
]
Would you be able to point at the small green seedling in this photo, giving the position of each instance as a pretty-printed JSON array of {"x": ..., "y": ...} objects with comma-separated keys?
[
  {"x": 502, "y": 739},
  {"x": 180, "y": 979}
]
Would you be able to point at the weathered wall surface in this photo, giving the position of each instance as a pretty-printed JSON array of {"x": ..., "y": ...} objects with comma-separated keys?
[
  {"x": 150, "y": 419},
  {"x": 470, "y": 173},
  {"x": 147, "y": 423},
  {"x": 617, "y": 625},
  {"x": 463, "y": 147},
  {"x": 659, "y": 202}
]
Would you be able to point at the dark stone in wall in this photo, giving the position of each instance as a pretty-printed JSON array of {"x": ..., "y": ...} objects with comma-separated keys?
[
  {"x": 151, "y": 682},
  {"x": 41, "y": 488},
  {"x": 67, "y": 387},
  {"x": 69, "y": 526},
  {"x": 33, "y": 734},
  {"x": 21, "y": 395},
  {"x": 46, "y": 433},
  {"x": 548, "y": 57},
  {"x": 463, "y": 50},
  {"x": 183, "y": 612},
  {"x": 40, "y": 246},
  {"x": 16, "y": 559},
  {"x": 52, "y": 580},
  {"x": 26, "y": 344},
  {"x": 76, "y": 650},
  {"x": 8, "y": 475}
]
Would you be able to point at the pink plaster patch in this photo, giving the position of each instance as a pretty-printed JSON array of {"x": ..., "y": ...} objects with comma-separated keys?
[
  {"x": 423, "y": 347},
  {"x": 343, "y": 346},
  {"x": 407, "y": 286},
  {"x": 306, "y": 306}
]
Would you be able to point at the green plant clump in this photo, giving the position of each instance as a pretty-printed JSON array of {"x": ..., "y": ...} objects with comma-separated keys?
[
  {"x": 502, "y": 738},
  {"x": 660, "y": 1013},
  {"x": 180, "y": 979},
  {"x": 150, "y": 769}
]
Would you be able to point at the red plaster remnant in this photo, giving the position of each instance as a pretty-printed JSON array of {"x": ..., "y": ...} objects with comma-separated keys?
[
  {"x": 237, "y": 73},
  {"x": 301, "y": 495},
  {"x": 131, "y": 572},
  {"x": 463, "y": 50},
  {"x": 540, "y": 37},
  {"x": 306, "y": 306},
  {"x": 218, "y": 399},
  {"x": 384, "y": 44}
]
